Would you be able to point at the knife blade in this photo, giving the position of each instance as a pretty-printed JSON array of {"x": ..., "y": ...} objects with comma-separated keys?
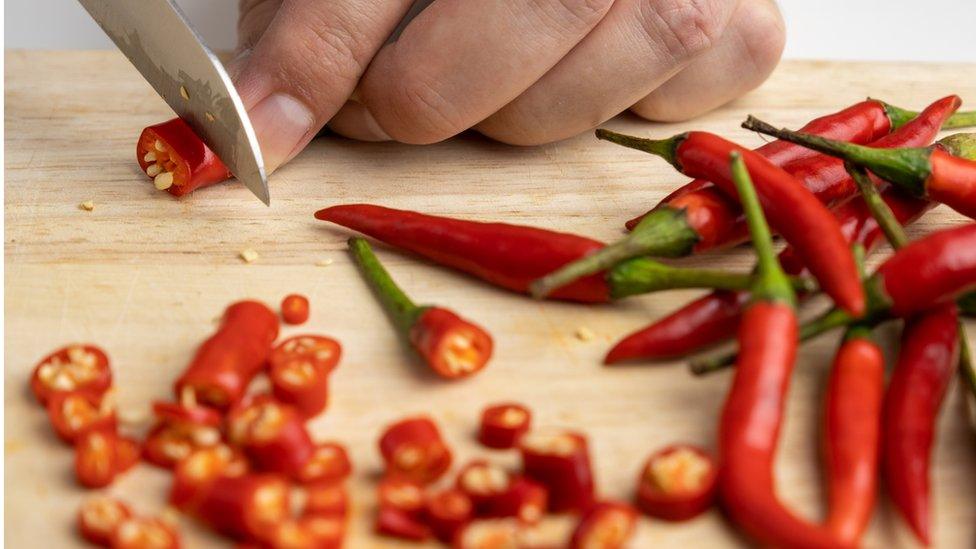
[{"x": 159, "y": 41}]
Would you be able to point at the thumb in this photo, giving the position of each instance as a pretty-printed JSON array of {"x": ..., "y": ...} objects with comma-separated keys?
[{"x": 306, "y": 64}]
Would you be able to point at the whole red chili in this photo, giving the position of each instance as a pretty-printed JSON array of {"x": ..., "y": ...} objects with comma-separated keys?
[
  {"x": 503, "y": 424},
  {"x": 245, "y": 507},
  {"x": 793, "y": 210},
  {"x": 750, "y": 424},
  {"x": 69, "y": 369},
  {"x": 227, "y": 361},
  {"x": 413, "y": 448},
  {"x": 927, "y": 173},
  {"x": 852, "y": 433},
  {"x": 144, "y": 533},
  {"x": 447, "y": 512},
  {"x": 194, "y": 475},
  {"x": 176, "y": 159},
  {"x": 677, "y": 483},
  {"x": 926, "y": 363},
  {"x": 299, "y": 369},
  {"x": 294, "y": 309},
  {"x": 560, "y": 461},
  {"x": 271, "y": 434},
  {"x": 606, "y": 525},
  {"x": 71, "y": 414},
  {"x": 98, "y": 518},
  {"x": 451, "y": 346}
]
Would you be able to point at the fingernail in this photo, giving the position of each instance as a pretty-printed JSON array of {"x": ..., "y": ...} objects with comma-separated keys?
[{"x": 283, "y": 125}]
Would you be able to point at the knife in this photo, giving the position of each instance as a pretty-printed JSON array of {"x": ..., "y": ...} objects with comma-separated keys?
[{"x": 162, "y": 45}]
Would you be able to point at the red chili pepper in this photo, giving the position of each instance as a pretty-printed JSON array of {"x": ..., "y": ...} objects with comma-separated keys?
[
  {"x": 69, "y": 369},
  {"x": 246, "y": 507},
  {"x": 489, "y": 534},
  {"x": 926, "y": 363},
  {"x": 395, "y": 523},
  {"x": 194, "y": 475},
  {"x": 71, "y": 414},
  {"x": 447, "y": 512},
  {"x": 145, "y": 533},
  {"x": 750, "y": 424},
  {"x": 509, "y": 256},
  {"x": 329, "y": 463},
  {"x": 96, "y": 459},
  {"x": 401, "y": 506},
  {"x": 495, "y": 493},
  {"x": 271, "y": 434},
  {"x": 227, "y": 361},
  {"x": 294, "y": 309},
  {"x": 327, "y": 499},
  {"x": 560, "y": 461},
  {"x": 413, "y": 448},
  {"x": 677, "y": 483},
  {"x": 312, "y": 532},
  {"x": 180, "y": 429},
  {"x": 177, "y": 160},
  {"x": 128, "y": 452},
  {"x": 299, "y": 369},
  {"x": 606, "y": 525},
  {"x": 852, "y": 434},
  {"x": 928, "y": 173},
  {"x": 99, "y": 517},
  {"x": 451, "y": 346},
  {"x": 503, "y": 424},
  {"x": 802, "y": 220}
]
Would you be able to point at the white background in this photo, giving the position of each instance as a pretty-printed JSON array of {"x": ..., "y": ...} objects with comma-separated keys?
[{"x": 896, "y": 30}]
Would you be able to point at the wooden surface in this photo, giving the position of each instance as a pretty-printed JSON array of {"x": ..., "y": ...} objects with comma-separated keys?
[{"x": 145, "y": 275}]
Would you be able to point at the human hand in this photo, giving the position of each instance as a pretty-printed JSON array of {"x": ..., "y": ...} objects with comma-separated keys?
[{"x": 521, "y": 72}]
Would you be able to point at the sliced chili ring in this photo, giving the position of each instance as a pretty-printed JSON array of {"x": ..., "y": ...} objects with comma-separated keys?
[
  {"x": 394, "y": 522},
  {"x": 606, "y": 525},
  {"x": 145, "y": 533},
  {"x": 489, "y": 534},
  {"x": 96, "y": 458},
  {"x": 503, "y": 424},
  {"x": 524, "y": 499},
  {"x": 301, "y": 383},
  {"x": 308, "y": 533},
  {"x": 677, "y": 483},
  {"x": 176, "y": 159},
  {"x": 294, "y": 309},
  {"x": 167, "y": 444},
  {"x": 560, "y": 461},
  {"x": 401, "y": 494},
  {"x": 99, "y": 516},
  {"x": 329, "y": 463},
  {"x": 246, "y": 507},
  {"x": 272, "y": 435},
  {"x": 452, "y": 346},
  {"x": 70, "y": 369},
  {"x": 482, "y": 482},
  {"x": 552, "y": 532},
  {"x": 447, "y": 512},
  {"x": 128, "y": 451},
  {"x": 195, "y": 474},
  {"x": 71, "y": 414},
  {"x": 316, "y": 349},
  {"x": 186, "y": 413},
  {"x": 413, "y": 448},
  {"x": 330, "y": 499}
]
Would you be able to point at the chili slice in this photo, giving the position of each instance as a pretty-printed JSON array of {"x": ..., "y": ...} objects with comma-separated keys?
[
  {"x": 329, "y": 463},
  {"x": 312, "y": 532},
  {"x": 246, "y": 507},
  {"x": 71, "y": 414},
  {"x": 299, "y": 368},
  {"x": 677, "y": 483},
  {"x": 330, "y": 499},
  {"x": 294, "y": 309},
  {"x": 482, "y": 482},
  {"x": 128, "y": 452},
  {"x": 606, "y": 525},
  {"x": 560, "y": 461},
  {"x": 181, "y": 428},
  {"x": 271, "y": 434},
  {"x": 446, "y": 512},
  {"x": 177, "y": 160},
  {"x": 96, "y": 459},
  {"x": 488, "y": 534},
  {"x": 401, "y": 506},
  {"x": 413, "y": 448},
  {"x": 99, "y": 517},
  {"x": 145, "y": 533},
  {"x": 195, "y": 474},
  {"x": 70, "y": 369},
  {"x": 503, "y": 424}
]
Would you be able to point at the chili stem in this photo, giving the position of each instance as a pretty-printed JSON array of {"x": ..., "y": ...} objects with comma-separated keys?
[
  {"x": 402, "y": 310},
  {"x": 965, "y": 119},
  {"x": 892, "y": 230},
  {"x": 899, "y": 117},
  {"x": 665, "y": 148}
]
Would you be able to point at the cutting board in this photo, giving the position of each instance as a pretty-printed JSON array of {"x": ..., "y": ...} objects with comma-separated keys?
[{"x": 145, "y": 276}]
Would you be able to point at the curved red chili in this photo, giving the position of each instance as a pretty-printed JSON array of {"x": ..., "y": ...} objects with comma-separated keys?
[
  {"x": 852, "y": 434},
  {"x": 750, "y": 424},
  {"x": 926, "y": 363},
  {"x": 271, "y": 434},
  {"x": 503, "y": 424},
  {"x": 294, "y": 309},
  {"x": 792, "y": 209},
  {"x": 413, "y": 448},
  {"x": 509, "y": 256},
  {"x": 225, "y": 363},
  {"x": 677, "y": 483},
  {"x": 560, "y": 461},
  {"x": 176, "y": 159},
  {"x": 69, "y": 369},
  {"x": 451, "y": 346}
]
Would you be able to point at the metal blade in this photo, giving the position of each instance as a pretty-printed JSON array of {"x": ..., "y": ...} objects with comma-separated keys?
[{"x": 159, "y": 41}]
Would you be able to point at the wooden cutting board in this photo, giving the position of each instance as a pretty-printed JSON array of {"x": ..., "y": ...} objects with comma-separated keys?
[{"x": 145, "y": 276}]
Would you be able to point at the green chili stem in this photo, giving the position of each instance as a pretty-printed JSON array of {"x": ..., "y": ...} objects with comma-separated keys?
[
  {"x": 665, "y": 148},
  {"x": 890, "y": 226},
  {"x": 965, "y": 119},
  {"x": 962, "y": 145},
  {"x": 400, "y": 308},
  {"x": 899, "y": 117}
]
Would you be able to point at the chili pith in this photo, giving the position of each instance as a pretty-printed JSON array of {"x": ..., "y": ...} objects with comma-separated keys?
[
  {"x": 71, "y": 414},
  {"x": 451, "y": 346},
  {"x": 69, "y": 369},
  {"x": 180, "y": 429},
  {"x": 177, "y": 160},
  {"x": 750, "y": 424},
  {"x": 802, "y": 220},
  {"x": 677, "y": 483}
]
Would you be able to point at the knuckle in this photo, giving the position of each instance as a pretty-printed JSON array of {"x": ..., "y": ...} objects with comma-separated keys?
[
  {"x": 685, "y": 27},
  {"x": 412, "y": 110},
  {"x": 763, "y": 33},
  {"x": 573, "y": 14}
]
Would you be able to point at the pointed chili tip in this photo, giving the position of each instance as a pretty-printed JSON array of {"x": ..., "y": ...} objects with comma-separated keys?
[
  {"x": 323, "y": 214},
  {"x": 617, "y": 354}
]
